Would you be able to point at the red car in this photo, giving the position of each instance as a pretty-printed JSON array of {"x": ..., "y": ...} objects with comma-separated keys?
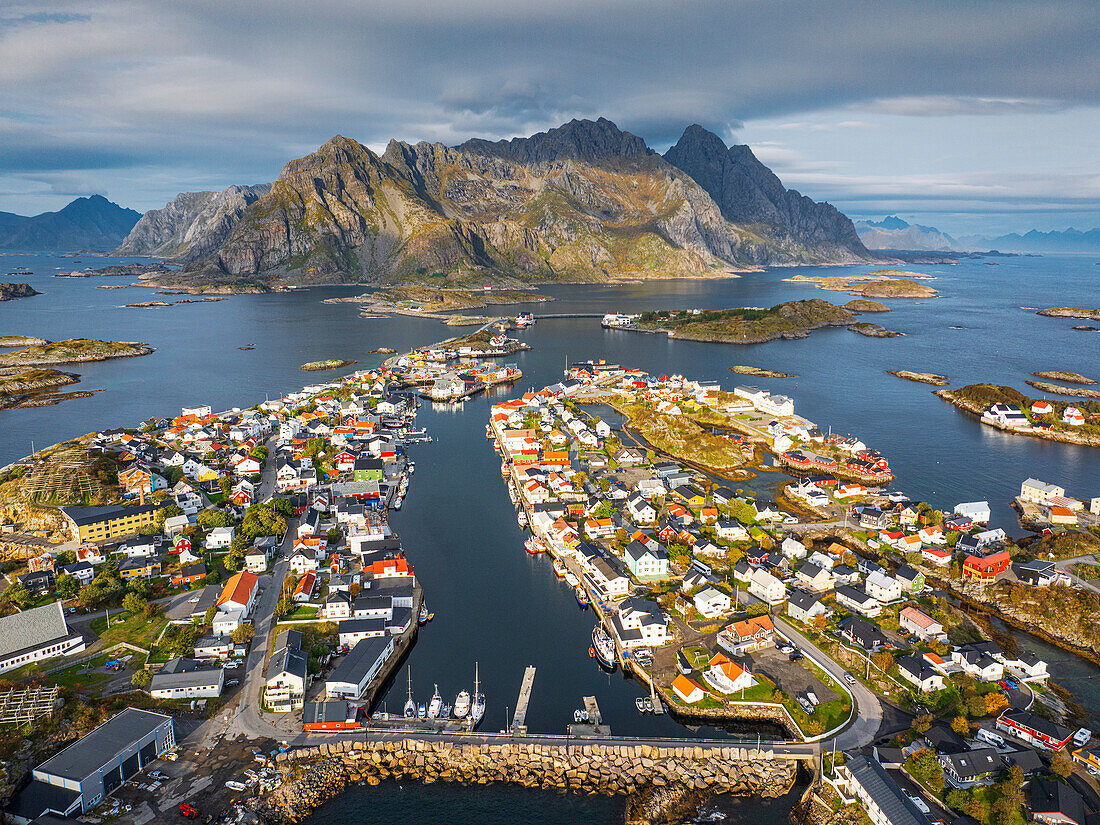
[{"x": 188, "y": 810}]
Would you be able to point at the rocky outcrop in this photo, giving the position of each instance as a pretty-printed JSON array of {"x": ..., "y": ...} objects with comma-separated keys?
[
  {"x": 322, "y": 772},
  {"x": 1071, "y": 312},
  {"x": 749, "y": 193},
  {"x": 583, "y": 202},
  {"x": 9, "y": 292},
  {"x": 192, "y": 225}
]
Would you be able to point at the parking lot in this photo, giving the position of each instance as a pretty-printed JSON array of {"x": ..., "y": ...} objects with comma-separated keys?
[{"x": 793, "y": 678}]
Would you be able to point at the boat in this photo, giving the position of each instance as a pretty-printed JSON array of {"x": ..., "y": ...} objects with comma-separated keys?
[
  {"x": 639, "y": 703},
  {"x": 436, "y": 705},
  {"x": 397, "y": 503},
  {"x": 421, "y": 711},
  {"x": 533, "y": 546},
  {"x": 410, "y": 705},
  {"x": 446, "y": 712},
  {"x": 604, "y": 647},
  {"x": 477, "y": 708},
  {"x": 431, "y": 616},
  {"x": 412, "y": 467},
  {"x": 571, "y": 578},
  {"x": 423, "y": 614},
  {"x": 462, "y": 704},
  {"x": 521, "y": 517},
  {"x": 504, "y": 469},
  {"x": 580, "y": 716},
  {"x": 647, "y": 703},
  {"x": 581, "y": 596},
  {"x": 559, "y": 568}
]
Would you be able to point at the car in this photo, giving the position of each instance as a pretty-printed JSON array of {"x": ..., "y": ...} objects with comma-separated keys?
[
  {"x": 233, "y": 683},
  {"x": 922, "y": 806},
  {"x": 849, "y": 678},
  {"x": 193, "y": 600},
  {"x": 233, "y": 665},
  {"x": 158, "y": 775},
  {"x": 796, "y": 654},
  {"x": 786, "y": 649},
  {"x": 1003, "y": 685},
  {"x": 171, "y": 756},
  {"x": 188, "y": 810},
  {"x": 1092, "y": 771}
]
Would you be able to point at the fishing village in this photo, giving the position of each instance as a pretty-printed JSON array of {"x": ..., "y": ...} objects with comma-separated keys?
[{"x": 232, "y": 580}]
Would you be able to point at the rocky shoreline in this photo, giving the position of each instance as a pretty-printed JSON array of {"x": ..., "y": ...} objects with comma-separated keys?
[
  {"x": 658, "y": 781},
  {"x": 1070, "y": 312},
  {"x": 1057, "y": 389},
  {"x": 873, "y": 330},
  {"x": 1049, "y": 435},
  {"x": 9, "y": 292},
  {"x": 932, "y": 378}
]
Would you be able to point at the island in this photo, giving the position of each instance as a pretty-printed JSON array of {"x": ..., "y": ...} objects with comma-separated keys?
[
  {"x": 1067, "y": 377},
  {"x": 9, "y": 292},
  {"x": 882, "y": 283},
  {"x": 873, "y": 330},
  {"x": 1057, "y": 389},
  {"x": 1010, "y": 410},
  {"x": 33, "y": 387},
  {"x": 431, "y": 301},
  {"x": 921, "y": 377},
  {"x": 73, "y": 351},
  {"x": 863, "y": 305},
  {"x": 1071, "y": 312},
  {"x": 759, "y": 372},
  {"x": 900, "y": 288},
  {"x": 330, "y": 364},
  {"x": 746, "y": 325},
  {"x": 21, "y": 341},
  {"x": 145, "y": 304}
]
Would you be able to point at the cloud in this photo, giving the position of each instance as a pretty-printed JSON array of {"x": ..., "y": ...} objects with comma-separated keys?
[{"x": 132, "y": 91}]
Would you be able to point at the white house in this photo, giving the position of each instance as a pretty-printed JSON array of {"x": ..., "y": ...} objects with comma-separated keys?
[
  {"x": 640, "y": 510},
  {"x": 183, "y": 678},
  {"x": 976, "y": 511},
  {"x": 712, "y": 603},
  {"x": 219, "y": 538},
  {"x": 916, "y": 670},
  {"x": 792, "y": 548},
  {"x": 1040, "y": 492},
  {"x": 920, "y": 624},
  {"x": 726, "y": 676},
  {"x": 804, "y": 607},
  {"x": 882, "y": 587},
  {"x": 639, "y": 623},
  {"x": 731, "y": 530},
  {"x": 857, "y": 600},
  {"x": 767, "y": 587},
  {"x": 815, "y": 578}
]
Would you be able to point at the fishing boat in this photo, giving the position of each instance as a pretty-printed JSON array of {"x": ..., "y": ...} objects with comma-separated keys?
[
  {"x": 477, "y": 708},
  {"x": 436, "y": 705},
  {"x": 412, "y": 467},
  {"x": 581, "y": 596},
  {"x": 580, "y": 716},
  {"x": 639, "y": 703},
  {"x": 504, "y": 469},
  {"x": 397, "y": 503},
  {"x": 445, "y": 713},
  {"x": 410, "y": 705},
  {"x": 462, "y": 704},
  {"x": 604, "y": 647},
  {"x": 521, "y": 517},
  {"x": 559, "y": 568},
  {"x": 533, "y": 546},
  {"x": 423, "y": 614},
  {"x": 571, "y": 578}
]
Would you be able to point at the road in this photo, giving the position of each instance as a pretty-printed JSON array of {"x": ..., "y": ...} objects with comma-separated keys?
[
  {"x": 868, "y": 709},
  {"x": 1064, "y": 566}
]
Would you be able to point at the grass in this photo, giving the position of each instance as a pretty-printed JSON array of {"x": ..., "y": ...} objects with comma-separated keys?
[
  {"x": 136, "y": 630},
  {"x": 303, "y": 612}
]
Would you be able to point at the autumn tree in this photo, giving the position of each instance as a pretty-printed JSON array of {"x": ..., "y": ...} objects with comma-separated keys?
[
  {"x": 1061, "y": 764},
  {"x": 925, "y": 768},
  {"x": 960, "y": 725},
  {"x": 243, "y": 634}
]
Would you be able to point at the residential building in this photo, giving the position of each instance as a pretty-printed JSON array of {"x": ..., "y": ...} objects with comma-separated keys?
[
  {"x": 1040, "y": 492},
  {"x": 986, "y": 568},
  {"x": 804, "y": 607},
  {"x": 882, "y": 587},
  {"x": 970, "y": 767},
  {"x": 1034, "y": 729},
  {"x": 286, "y": 676},
  {"x": 36, "y": 634},
  {"x": 687, "y": 690},
  {"x": 814, "y": 578},
  {"x": 711, "y": 603},
  {"x": 183, "y": 678},
  {"x": 1054, "y": 803},
  {"x": 882, "y": 798},
  {"x": 767, "y": 587},
  {"x": 921, "y": 625},
  {"x": 100, "y": 524},
  {"x": 331, "y": 716},
  {"x": 639, "y": 622},
  {"x": 916, "y": 670},
  {"x": 726, "y": 676},
  {"x": 747, "y": 635},
  {"x": 239, "y": 593},
  {"x": 357, "y": 668},
  {"x": 858, "y": 600},
  {"x": 189, "y": 574}
]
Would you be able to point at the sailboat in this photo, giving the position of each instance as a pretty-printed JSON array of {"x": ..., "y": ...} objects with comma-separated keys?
[
  {"x": 436, "y": 705},
  {"x": 462, "y": 704},
  {"x": 477, "y": 709},
  {"x": 410, "y": 705}
]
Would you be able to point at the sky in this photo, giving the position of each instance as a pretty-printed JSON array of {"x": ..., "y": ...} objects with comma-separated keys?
[{"x": 969, "y": 116}]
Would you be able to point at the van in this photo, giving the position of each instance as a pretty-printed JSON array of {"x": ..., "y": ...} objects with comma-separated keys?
[
  {"x": 991, "y": 738},
  {"x": 1082, "y": 737}
]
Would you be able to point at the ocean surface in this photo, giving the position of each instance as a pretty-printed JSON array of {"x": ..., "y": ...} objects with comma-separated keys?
[{"x": 493, "y": 603}]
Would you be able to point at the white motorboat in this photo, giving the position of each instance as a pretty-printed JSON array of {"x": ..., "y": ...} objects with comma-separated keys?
[
  {"x": 436, "y": 705},
  {"x": 462, "y": 704}
]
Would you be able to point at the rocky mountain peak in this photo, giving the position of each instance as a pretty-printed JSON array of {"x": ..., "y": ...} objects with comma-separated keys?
[{"x": 586, "y": 140}]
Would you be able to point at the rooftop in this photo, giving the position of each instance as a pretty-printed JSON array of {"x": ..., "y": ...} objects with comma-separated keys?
[{"x": 92, "y": 751}]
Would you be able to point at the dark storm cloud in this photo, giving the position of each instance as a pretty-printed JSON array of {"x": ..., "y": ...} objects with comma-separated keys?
[{"x": 228, "y": 91}]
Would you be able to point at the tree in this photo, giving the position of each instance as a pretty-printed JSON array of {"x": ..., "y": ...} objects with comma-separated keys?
[
  {"x": 282, "y": 507},
  {"x": 18, "y": 594},
  {"x": 960, "y": 725},
  {"x": 67, "y": 586},
  {"x": 66, "y": 557},
  {"x": 133, "y": 604},
  {"x": 995, "y": 703},
  {"x": 925, "y": 768},
  {"x": 1061, "y": 764},
  {"x": 975, "y": 706},
  {"x": 225, "y": 484},
  {"x": 819, "y": 622},
  {"x": 1010, "y": 795},
  {"x": 333, "y": 535},
  {"x": 212, "y": 517},
  {"x": 883, "y": 660},
  {"x": 172, "y": 475},
  {"x": 185, "y": 641},
  {"x": 142, "y": 678},
  {"x": 284, "y": 606},
  {"x": 757, "y": 609},
  {"x": 243, "y": 634},
  {"x": 211, "y": 612},
  {"x": 922, "y": 723}
]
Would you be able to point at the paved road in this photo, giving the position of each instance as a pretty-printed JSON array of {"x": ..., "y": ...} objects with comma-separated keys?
[
  {"x": 868, "y": 709},
  {"x": 1064, "y": 565}
]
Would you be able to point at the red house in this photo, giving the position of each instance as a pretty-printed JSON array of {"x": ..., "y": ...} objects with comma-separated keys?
[
  {"x": 986, "y": 568},
  {"x": 330, "y": 716},
  {"x": 189, "y": 574},
  {"x": 1034, "y": 729}
]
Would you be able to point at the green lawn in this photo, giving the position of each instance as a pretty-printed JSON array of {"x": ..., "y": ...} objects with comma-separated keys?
[
  {"x": 303, "y": 612},
  {"x": 135, "y": 630},
  {"x": 697, "y": 655}
]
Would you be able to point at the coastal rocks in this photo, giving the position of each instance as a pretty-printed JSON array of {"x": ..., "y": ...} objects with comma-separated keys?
[
  {"x": 664, "y": 779},
  {"x": 921, "y": 377},
  {"x": 9, "y": 292},
  {"x": 858, "y": 305},
  {"x": 330, "y": 364},
  {"x": 1068, "y": 377},
  {"x": 873, "y": 330},
  {"x": 759, "y": 372},
  {"x": 73, "y": 351},
  {"x": 21, "y": 341},
  {"x": 145, "y": 304},
  {"x": 1070, "y": 312},
  {"x": 1057, "y": 389}
]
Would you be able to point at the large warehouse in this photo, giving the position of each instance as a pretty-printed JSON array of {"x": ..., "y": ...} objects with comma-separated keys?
[
  {"x": 36, "y": 634},
  {"x": 77, "y": 778}
]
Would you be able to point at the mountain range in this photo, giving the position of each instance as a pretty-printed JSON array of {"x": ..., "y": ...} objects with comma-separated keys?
[
  {"x": 86, "y": 223},
  {"x": 893, "y": 233},
  {"x": 583, "y": 202}
]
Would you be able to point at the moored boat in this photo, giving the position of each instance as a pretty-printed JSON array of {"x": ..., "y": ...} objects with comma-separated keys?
[
  {"x": 477, "y": 707},
  {"x": 571, "y": 578},
  {"x": 533, "y": 546},
  {"x": 410, "y": 705},
  {"x": 581, "y": 596},
  {"x": 421, "y": 711},
  {"x": 604, "y": 647},
  {"x": 423, "y": 614},
  {"x": 521, "y": 517},
  {"x": 559, "y": 568},
  {"x": 436, "y": 704},
  {"x": 462, "y": 704}
]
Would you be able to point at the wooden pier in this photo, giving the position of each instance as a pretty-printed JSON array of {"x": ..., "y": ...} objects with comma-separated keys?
[{"x": 519, "y": 720}]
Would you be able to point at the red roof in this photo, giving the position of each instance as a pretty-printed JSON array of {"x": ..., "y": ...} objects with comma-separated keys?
[{"x": 239, "y": 589}]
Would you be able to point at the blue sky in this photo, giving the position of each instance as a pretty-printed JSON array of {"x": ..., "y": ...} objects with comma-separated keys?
[{"x": 970, "y": 116}]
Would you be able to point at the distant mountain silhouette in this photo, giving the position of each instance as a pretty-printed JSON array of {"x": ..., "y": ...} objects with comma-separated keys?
[{"x": 86, "y": 223}]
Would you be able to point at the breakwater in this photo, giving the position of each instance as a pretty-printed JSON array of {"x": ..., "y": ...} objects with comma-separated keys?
[{"x": 655, "y": 778}]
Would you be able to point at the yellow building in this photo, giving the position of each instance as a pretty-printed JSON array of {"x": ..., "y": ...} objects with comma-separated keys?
[{"x": 99, "y": 524}]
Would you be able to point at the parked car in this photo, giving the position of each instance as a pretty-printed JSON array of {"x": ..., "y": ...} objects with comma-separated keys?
[
  {"x": 233, "y": 683},
  {"x": 786, "y": 648},
  {"x": 158, "y": 775},
  {"x": 188, "y": 810},
  {"x": 849, "y": 678},
  {"x": 922, "y": 806}
]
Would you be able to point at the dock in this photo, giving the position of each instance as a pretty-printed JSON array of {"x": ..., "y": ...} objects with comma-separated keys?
[
  {"x": 594, "y": 728},
  {"x": 519, "y": 720}
]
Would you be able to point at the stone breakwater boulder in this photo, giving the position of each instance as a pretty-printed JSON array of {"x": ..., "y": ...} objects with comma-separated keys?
[{"x": 319, "y": 773}]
